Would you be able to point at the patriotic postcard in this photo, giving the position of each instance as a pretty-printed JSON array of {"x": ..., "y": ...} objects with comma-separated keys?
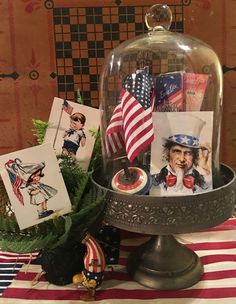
[
  {"x": 170, "y": 92},
  {"x": 69, "y": 130},
  {"x": 34, "y": 185},
  {"x": 181, "y": 153}
]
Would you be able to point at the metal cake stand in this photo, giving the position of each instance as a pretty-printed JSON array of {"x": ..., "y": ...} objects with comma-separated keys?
[{"x": 162, "y": 262}]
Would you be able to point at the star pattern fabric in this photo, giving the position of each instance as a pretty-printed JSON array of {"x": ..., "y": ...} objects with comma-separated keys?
[
  {"x": 140, "y": 85},
  {"x": 185, "y": 140}
]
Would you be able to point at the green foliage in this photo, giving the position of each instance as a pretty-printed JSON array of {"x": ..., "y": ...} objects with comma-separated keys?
[
  {"x": 75, "y": 179},
  {"x": 96, "y": 158},
  {"x": 92, "y": 206},
  {"x": 39, "y": 129},
  {"x": 79, "y": 98}
]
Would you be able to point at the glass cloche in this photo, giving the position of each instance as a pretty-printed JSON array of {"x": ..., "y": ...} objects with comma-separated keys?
[{"x": 161, "y": 102}]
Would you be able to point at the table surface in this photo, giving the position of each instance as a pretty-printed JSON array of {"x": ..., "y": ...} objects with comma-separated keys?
[{"x": 216, "y": 248}]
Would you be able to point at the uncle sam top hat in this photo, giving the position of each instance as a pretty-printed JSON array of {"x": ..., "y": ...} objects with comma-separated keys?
[{"x": 185, "y": 129}]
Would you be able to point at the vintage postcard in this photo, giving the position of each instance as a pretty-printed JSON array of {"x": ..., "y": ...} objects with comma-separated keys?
[
  {"x": 181, "y": 153},
  {"x": 69, "y": 130},
  {"x": 34, "y": 184}
]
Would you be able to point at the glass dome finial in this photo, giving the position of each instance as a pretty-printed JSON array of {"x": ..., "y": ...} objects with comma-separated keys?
[{"x": 158, "y": 17}]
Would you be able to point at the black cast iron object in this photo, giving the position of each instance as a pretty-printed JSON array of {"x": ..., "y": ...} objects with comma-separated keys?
[{"x": 162, "y": 262}]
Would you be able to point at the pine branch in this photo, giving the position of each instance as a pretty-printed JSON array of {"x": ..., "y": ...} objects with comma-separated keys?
[
  {"x": 39, "y": 129},
  {"x": 96, "y": 158}
]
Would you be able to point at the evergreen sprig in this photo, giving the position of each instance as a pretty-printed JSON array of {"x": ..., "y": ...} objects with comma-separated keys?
[
  {"x": 39, "y": 129},
  {"x": 96, "y": 158}
]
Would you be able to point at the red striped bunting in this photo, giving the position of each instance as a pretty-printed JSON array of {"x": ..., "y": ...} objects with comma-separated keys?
[{"x": 116, "y": 293}]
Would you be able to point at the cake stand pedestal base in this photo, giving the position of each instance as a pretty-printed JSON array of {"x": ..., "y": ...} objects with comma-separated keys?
[
  {"x": 162, "y": 262},
  {"x": 165, "y": 264}
]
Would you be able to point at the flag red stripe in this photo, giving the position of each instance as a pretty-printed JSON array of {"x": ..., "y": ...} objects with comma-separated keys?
[
  {"x": 128, "y": 119},
  {"x": 213, "y": 275},
  {"x": 6, "y": 257},
  {"x": 212, "y": 245},
  {"x": 209, "y": 259},
  {"x": 113, "y": 128},
  {"x": 208, "y": 293},
  {"x": 206, "y": 260},
  {"x": 116, "y": 293},
  {"x": 136, "y": 138},
  {"x": 219, "y": 275},
  {"x": 115, "y": 124},
  {"x": 123, "y": 276},
  {"x": 113, "y": 137},
  {"x": 197, "y": 246},
  {"x": 109, "y": 146},
  {"x": 29, "y": 276},
  {"x": 141, "y": 148},
  {"x": 114, "y": 143},
  {"x": 132, "y": 128},
  {"x": 37, "y": 294},
  {"x": 117, "y": 141}
]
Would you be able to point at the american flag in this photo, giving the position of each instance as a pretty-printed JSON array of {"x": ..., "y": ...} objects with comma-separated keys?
[
  {"x": 114, "y": 133},
  {"x": 67, "y": 107},
  {"x": 131, "y": 122},
  {"x": 15, "y": 179}
]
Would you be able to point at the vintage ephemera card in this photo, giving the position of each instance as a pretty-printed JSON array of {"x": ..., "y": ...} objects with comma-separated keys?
[
  {"x": 34, "y": 184},
  {"x": 70, "y": 130},
  {"x": 181, "y": 153}
]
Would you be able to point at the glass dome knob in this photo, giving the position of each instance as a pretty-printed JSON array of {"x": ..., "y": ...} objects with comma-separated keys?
[{"x": 158, "y": 17}]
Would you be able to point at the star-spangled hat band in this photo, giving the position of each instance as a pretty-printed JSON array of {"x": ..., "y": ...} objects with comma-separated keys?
[
  {"x": 185, "y": 140},
  {"x": 185, "y": 129}
]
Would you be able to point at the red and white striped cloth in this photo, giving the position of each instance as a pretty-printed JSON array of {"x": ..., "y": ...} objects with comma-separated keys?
[
  {"x": 10, "y": 264},
  {"x": 216, "y": 248}
]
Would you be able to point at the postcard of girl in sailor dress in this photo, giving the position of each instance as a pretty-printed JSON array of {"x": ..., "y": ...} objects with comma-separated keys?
[{"x": 34, "y": 184}]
